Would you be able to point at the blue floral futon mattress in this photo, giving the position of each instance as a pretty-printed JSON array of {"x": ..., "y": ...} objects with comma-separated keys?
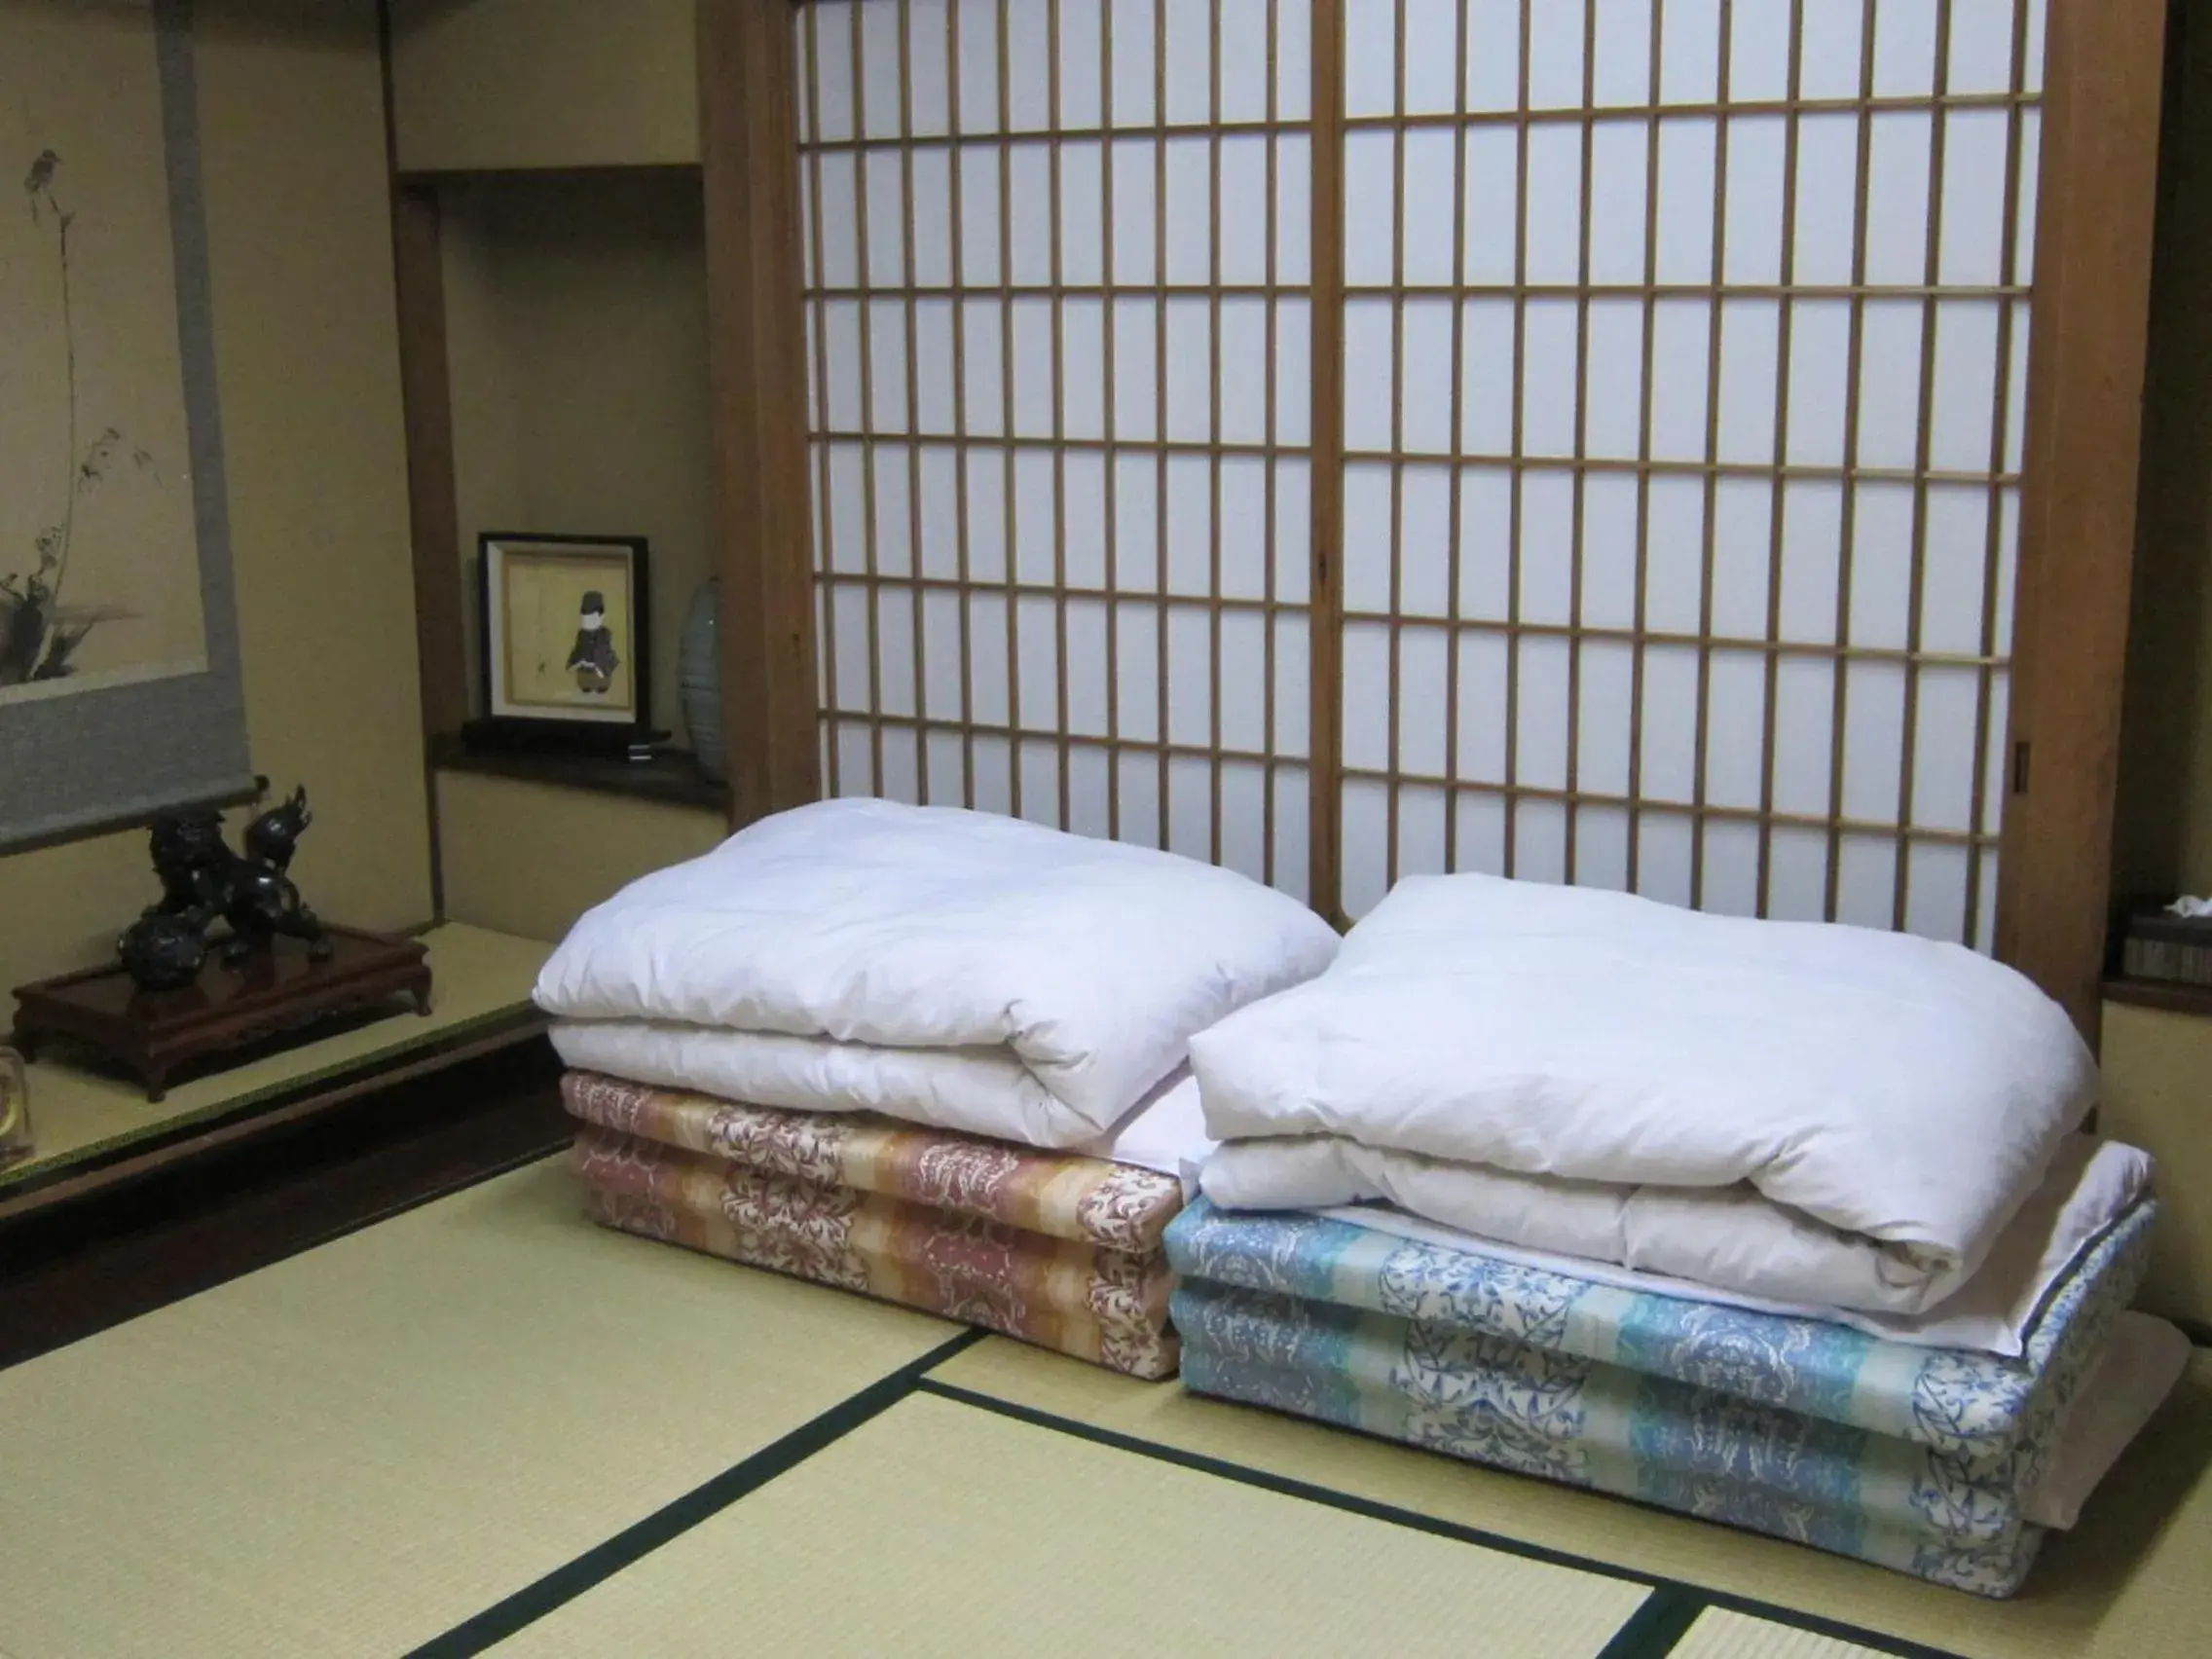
[{"x": 1917, "y": 1458}]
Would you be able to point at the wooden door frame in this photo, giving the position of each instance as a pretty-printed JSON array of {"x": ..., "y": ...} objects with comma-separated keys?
[
  {"x": 762, "y": 527},
  {"x": 2089, "y": 318},
  {"x": 2087, "y": 344}
]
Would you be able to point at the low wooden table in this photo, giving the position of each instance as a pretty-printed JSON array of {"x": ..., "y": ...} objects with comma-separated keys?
[{"x": 153, "y": 1032}]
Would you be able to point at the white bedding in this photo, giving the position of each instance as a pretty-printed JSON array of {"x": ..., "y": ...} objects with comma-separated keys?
[
  {"x": 2091, "y": 1185},
  {"x": 1164, "y": 1131},
  {"x": 1728, "y": 1244},
  {"x": 950, "y": 968},
  {"x": 1823, "y": 1115}
]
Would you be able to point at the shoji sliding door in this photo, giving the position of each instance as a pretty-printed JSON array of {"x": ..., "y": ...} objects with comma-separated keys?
[
  {"x": 1685, "y": 367},
  {"x": 1056, "y": 262},
  {"x": 1587, "y": 440}
]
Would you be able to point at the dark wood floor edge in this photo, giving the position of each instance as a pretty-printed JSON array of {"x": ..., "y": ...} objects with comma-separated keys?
[
  {"x": 418, "y": 1201},
  {"x": 467, "y": 1038},
  {"x": 626, "y": 1548},
  {"x": 1373, "y": 1509},
  {"x": 315, "y": 1240}
]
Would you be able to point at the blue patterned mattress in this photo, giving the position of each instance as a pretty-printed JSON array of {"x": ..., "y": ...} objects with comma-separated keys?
[{"x": 1917, "y": 1458}]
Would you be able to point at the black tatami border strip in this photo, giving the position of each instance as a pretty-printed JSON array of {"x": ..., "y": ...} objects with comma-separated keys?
[
  {"x": 1663, "y": 1619},
  {"x": 1652, "y": 1633},
  {"x": 565, "y": 1583},
  {"x": 1282, "y": 1486}
]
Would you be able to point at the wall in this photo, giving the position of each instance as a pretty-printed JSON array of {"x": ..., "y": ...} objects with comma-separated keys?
[
  {"x": 2162, "y": 841},
  {"x": 479, "y": 84},
  {"x": 576, "y": 347},
  {"x": 2156, "y": 1063},
  {"x": 577, "y": 341},
  {"x": 527, "y": 858},
  {"x": 2154, "y": 1067},
  {"x": 293, "y": 155}
]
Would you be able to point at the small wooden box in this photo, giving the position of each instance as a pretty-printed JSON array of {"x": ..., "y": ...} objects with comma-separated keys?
[
  {"x": 153, "y": 1032},
  {"x": 2173, "y": 949}
]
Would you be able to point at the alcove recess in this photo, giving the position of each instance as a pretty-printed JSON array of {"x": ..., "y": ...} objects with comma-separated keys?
[{"x": 551, "y": 246}]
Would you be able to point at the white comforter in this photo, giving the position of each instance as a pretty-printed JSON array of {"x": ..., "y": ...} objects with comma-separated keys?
[
  {"x": 950, "y": 968},
  {"x": 1822, "y": 1114},
  {"x": 2089, "y": 1185}
]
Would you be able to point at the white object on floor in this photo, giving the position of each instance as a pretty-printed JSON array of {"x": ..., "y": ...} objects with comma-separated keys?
[
  {"x": 955, "y": 967},
  {"x": 2142, "y": 1359},
  {"x": 2191, "y": 908},
  {"x": 1908, "y": 1092},
  {"x": 2091, "y": 1185}
]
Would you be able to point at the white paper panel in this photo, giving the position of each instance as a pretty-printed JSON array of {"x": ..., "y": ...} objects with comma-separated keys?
[
  {"x": 1048, "y": 590},
  {"x": 1707, "y": 589}
]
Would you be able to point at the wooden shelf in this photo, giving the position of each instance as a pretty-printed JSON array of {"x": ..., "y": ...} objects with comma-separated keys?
[
  {"x": 672, "y": 777},
  {"x": 2168, "y": 995},
  {"x": 430, "y": 178}
]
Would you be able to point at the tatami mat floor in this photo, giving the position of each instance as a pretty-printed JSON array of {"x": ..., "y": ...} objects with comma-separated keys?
[{"x": 486, "y": 1424}]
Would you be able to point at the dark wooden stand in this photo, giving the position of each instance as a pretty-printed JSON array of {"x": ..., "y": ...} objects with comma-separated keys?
[{"x": 153, "y": 1032}]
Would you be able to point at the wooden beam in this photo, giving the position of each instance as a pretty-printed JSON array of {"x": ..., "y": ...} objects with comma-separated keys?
[
  {"x": 433, "y": 501},
  {"x": 2089, "y": 318},
  {"x": 434, "y": 511},
  {"x": 1326, "y": 647},
  {"x": 763, "y": 533}
]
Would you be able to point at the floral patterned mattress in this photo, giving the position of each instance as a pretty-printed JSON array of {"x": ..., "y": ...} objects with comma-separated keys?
[
  {"x": 1059, "y": 1250},
  {"x": 1916, "y": 1459}
]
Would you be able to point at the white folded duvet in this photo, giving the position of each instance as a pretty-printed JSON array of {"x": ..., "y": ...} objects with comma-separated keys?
[
  {"x": 950, "y": 968},
  {"x": 2089, "y": 1186},
  {"x": 1811, "y": 1114}
]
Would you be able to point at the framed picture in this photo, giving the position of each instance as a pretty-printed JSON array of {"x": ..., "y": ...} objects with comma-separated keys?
[{"x": 563, "y": 637}]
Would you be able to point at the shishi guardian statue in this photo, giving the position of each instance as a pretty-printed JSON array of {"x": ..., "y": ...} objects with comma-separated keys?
[{"x": 203, "y": 882}]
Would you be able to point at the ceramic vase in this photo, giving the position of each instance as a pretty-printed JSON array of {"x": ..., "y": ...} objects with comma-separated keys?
[
  {"x": 15, "y": 1109},
  {"x": 699, "y": 677}
]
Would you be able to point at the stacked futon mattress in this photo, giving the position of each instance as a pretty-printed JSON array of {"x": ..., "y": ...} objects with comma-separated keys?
[
  {"x": 1060, "y": 1250},
  {"x": 932, "y": 1056},
  {"x": 1789, "y": 1227}
]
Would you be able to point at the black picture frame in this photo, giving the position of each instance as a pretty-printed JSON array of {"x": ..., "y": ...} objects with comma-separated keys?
[{"x": 566, "y": 723}]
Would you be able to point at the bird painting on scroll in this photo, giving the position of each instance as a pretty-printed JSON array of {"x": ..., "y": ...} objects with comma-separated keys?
[{"x": 99, "y": 564}]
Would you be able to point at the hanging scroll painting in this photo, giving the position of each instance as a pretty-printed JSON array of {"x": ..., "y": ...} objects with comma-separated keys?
[{"x": 119, "y": 675}]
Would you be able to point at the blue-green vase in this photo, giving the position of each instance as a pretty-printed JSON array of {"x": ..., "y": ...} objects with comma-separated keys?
[{"x": 699, "y": 678}]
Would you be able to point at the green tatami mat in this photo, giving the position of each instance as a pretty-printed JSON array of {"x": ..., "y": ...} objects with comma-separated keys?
[
  {"x": 359, "y": 1448},
  {"x": 1722, "y": 1635},
  {"x": 939, "y": 1529},
  {"x": 2133, "y": 1581}
]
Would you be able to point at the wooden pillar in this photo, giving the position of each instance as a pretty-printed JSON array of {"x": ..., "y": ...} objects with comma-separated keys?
[
  {"x": 2103, "y": 79},
  {"x": 1324, "y": 829},
  {"x": 762, "y": 530},
  {"x": 434, "y": 511}
]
